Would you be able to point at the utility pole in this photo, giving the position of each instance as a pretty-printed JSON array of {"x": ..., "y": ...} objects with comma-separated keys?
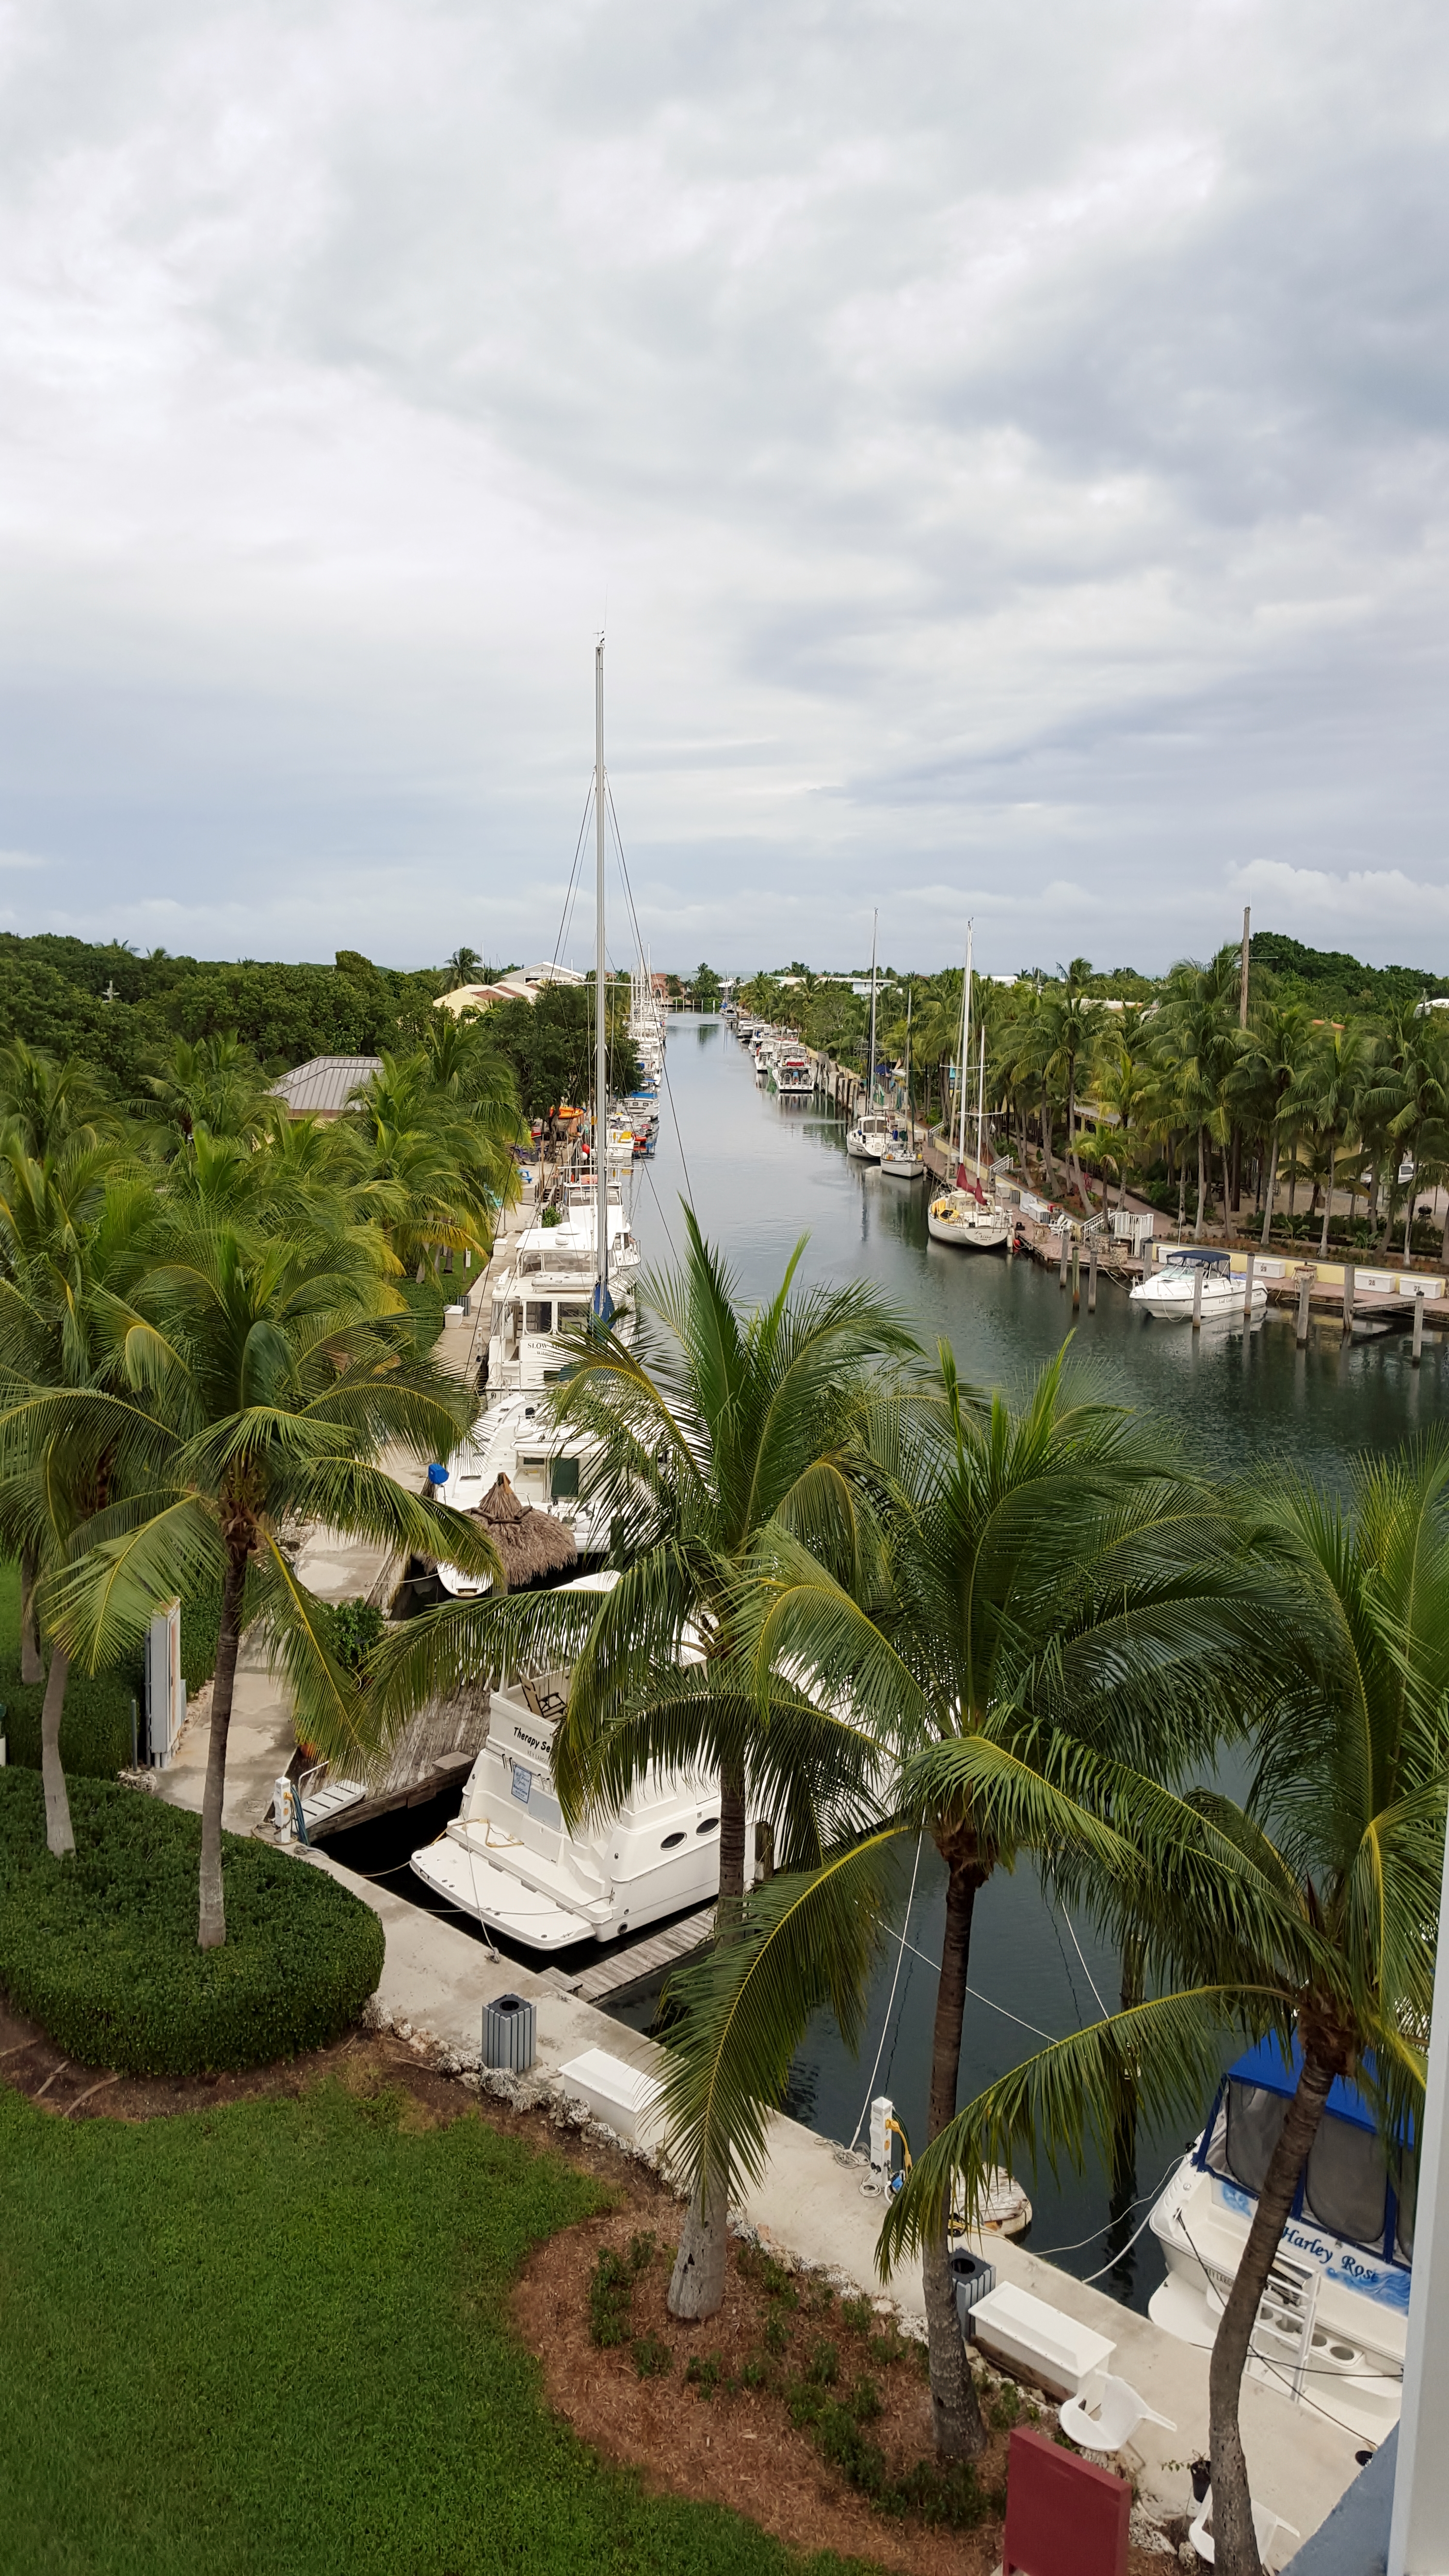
[{"x": 1243, "y": 986}]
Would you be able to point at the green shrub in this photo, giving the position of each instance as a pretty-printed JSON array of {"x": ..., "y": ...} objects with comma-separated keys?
[
  {"x": 101, "y": 1949},
  {"x": 611, "y": 2290},
  {"x": 652, "y": 2356}
]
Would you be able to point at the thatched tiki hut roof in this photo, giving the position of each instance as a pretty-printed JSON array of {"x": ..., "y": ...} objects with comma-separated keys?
[{"x": 529, "y": 1543}]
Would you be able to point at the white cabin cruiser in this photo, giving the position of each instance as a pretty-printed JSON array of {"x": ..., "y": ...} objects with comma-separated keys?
[
  {"x": 793, "y": 1074},
  {"x": 543, "y": 1464},
  {"x": 957, "y": 1217},
  {"x": 1168, "y": 1292},
  {"x": 509, "y": 1859},
  {"x": 549, "y": 1288},
  {"x": 1332, "y": 2325}
]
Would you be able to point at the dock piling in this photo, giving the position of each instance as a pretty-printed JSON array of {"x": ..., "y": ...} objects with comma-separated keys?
[
  {"x": 1076, "y": 1278},
  {"x": 1092, "y": 1276},
  {"x": 1347, "y": 1299},
  {"x": 1248, "y": 1291},
  {"x": 1417, "y": 1352},
  {"x": 1062, "y": 1272},
  {"x": 1305, "y": 1282},
  {"x": 1197, "y": 1297}
]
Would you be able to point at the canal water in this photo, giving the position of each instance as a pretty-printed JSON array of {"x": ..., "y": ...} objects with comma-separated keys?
[{"x": 760, "y": 1173}]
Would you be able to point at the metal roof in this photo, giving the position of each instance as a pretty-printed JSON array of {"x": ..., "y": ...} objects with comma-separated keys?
[{"x": 325, "y": 1084}]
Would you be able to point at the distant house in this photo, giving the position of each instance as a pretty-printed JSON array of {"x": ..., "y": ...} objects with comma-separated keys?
[
  {"x": 323, "y": 1087},
  {"x": 522, "y": 984}
]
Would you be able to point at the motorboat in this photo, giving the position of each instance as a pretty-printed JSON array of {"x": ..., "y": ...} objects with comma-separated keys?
[
  {"x": 1170, "y": 1291},
  {"x": 792, "y": 1073},
  {"x": 544, "y": 1464},
  {"x": 509, "y": 1859},
  {"x": 956, "y": 1216},
  {"x": 548, "y": 1288},
  {"x": 870, "y": 1135},
  {"x": 1331, "y": 2327}
]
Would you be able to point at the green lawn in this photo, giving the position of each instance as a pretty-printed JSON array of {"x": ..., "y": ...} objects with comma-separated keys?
[{"x": 276, "y": 2337}]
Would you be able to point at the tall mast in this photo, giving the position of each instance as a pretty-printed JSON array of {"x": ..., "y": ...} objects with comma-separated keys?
[
  {"x": 910, "y": 1108},
  {"x": 965, "y": 1052},
  {"x": 601, "y": 997},
  {"x": 981, "y": 1100},
  {"x": 872, "y": 1067}
]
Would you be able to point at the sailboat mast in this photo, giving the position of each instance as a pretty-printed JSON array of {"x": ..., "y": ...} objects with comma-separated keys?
[
  {"x": 601, "y": 996},
  {"x": 965, "y": 1074},
  {"x": 910, "y": 1105},
  {"x": 981, "y": 1100},
  {"x": 872, "y": 1065}
]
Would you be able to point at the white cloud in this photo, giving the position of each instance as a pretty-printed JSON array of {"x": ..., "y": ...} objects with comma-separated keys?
[{"x": 1010, "y": 447}]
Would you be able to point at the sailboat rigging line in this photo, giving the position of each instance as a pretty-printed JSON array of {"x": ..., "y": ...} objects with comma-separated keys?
[
  {"x": 573, "y": 878},
  {"x": 1086, "y": 1971},
  {"x": 639, "y": 943},
  {"x": 1143, "y": 2197},
  {"x": 890, "y": 1999},
  {"x": 977, "y": 1997}
]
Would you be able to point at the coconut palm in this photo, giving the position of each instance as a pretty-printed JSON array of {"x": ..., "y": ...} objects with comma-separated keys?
[
  {"x": 1413, "y": 1092},
  {"x": 1267, "y": 1071},
  {"x": 247, "y": 1386},
  {"x": 1196, "y": 1037},
  {"x": 215, "y": 1083},
  {"x": 1069, "y": 1030},
  {"x": 1030, "y": 1564},
  {"x": 427, "y": 1146},
  {"x": 1308, "y": 1913},
  {"x": 719, "y": 1424},
  {"x": 1335, "y": 1072},
  {"x": 1124, "y": 1085}
]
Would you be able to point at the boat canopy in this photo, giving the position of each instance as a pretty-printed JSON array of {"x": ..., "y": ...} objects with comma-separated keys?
[
  {"x": 1266, "y": 2066},
  {"x": 1347, "y": 2186},
  {"x": 1199, "y": 1258}
]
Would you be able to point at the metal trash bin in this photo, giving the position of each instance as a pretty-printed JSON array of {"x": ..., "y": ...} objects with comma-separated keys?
[
  {"x": 508, "y": 2033},
  {"x": 971, "y": 2278}
]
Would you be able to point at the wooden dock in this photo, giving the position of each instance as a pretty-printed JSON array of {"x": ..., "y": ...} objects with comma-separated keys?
[{"x": 621, "y": 1968}]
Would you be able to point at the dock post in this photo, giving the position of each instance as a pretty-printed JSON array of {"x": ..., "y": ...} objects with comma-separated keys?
[
  {"x": 1092, "y": 1276},
  {"x": 1197, "y": 1297},
  {"x": 1248, "y": 1291},
  {"x": 1347, "y": 1299},
  {"x": 1418, "y": 1349},
  {"x": 1062, "y": 1272},
  {"x": 1305, "y": 1282},
  {"x": 1076, "y": 1277}
]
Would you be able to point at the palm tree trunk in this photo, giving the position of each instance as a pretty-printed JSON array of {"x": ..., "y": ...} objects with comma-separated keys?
[
  {"x": 697, "y": 2283},
  {"x": 955, "y": 2412},
  {"x": 1268, "y": 1184},
  {"x": 211, "y": 1928},
  {"x": 1327, "y": 1204},
  {"x": 1124, "y": 2115},
  {"x": 32, "y": 1663},
  {"x": 58, "y": 1835},
  {"x": 1046, "y": 1146},
  {"x": 1227, "y": 1213},
  {"x": 1201, "y": 1187},
  {"x": 1409, "y": 1203},
  {"x": 1234, "y": 2540}
]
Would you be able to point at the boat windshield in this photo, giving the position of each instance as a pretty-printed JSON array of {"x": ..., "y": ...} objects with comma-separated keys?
[
  {"x": 1346, "y": 2184},
  {"x": 1198, "y": 1261}
]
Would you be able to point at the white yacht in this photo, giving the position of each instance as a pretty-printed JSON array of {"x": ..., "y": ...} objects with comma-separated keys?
[
  {"x": 548, "y": 1288},
  {"x": 1168, "y": 1292},
  {"x": 544, "y": 1464},
  {"x": 1331, "y": 2327},
  {"x": 508, "y": 1858},
  {"x": 792, "y": 1073},
  {"x": 955, "y": 1216}
]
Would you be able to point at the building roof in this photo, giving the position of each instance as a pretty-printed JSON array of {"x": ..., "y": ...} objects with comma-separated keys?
[
  {"x": 521, "y": 984},
  {"x": 325, "y": 1084}
]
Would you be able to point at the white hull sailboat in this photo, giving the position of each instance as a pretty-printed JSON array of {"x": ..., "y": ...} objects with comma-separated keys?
[
  {"x": 956, "y": 1217},
  {"x": 900, "y": 1161}
]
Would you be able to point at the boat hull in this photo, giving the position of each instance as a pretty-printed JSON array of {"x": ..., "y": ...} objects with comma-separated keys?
[
  {"x": 902, "y": 1167},
  {"x": 1175, "y": 1305},
  {"x": 984, "y": 1231}
]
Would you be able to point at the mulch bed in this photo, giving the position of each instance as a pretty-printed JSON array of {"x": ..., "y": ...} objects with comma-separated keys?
[{"x": 735, "y": 2445}]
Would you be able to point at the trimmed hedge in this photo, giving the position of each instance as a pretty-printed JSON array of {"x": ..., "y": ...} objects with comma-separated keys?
[
  {"x": 95, "y": 1726},
  {"x": 101, "y": 1949}
]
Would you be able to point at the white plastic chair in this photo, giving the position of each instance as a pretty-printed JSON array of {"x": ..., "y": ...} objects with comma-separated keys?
[
  {"x": 1266, "y": 2526},
  {"x": 1119, "y": 2412}
]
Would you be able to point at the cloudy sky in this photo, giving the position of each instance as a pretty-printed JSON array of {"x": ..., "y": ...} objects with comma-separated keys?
[{"x": 1006, "y": 444}]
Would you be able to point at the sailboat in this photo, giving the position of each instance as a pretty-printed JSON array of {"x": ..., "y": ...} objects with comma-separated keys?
[
  {"x": 871, "y": 1133},
  {"x": 960, "y": 1216},
  {"x": 900, "y": 1161}
]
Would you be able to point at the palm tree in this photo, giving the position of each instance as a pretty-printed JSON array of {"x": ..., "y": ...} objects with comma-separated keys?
[
  {"x": 215, "y": 1083},
  {"x": 428, "y": 1147},
  {"x": 718, "y": 1425},
  {"x": 1308, "y": 1913},
  {"x": 1029, "y": 1563},
  {"x": 1069, "y": 1032},
  {"x": 248, "y": 1386},
  {"x": 1124, "y": 1083},
  {"x": 1414, "y": 1092},
  {"x": 1197, "y": 1038},
  {"x": 1330, "y": 1084},
  {"x": 1266, "y": 1074}
]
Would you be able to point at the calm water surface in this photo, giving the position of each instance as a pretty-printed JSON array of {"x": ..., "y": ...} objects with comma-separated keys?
[{"x": 760, "y": 1174}]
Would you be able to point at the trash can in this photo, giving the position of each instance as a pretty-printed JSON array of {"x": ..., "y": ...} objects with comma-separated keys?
[
  {"x": 971, "y": 2278},
  {"x": 508, "y": 2033}
]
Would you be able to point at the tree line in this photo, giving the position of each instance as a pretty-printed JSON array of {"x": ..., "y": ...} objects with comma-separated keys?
[{"x": 1281, "y": 1120}]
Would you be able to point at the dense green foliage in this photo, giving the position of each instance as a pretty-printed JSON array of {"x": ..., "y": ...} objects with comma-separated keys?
[
  {"x": 101, "y": 1948},
  {"x": 277, "y": 2338},
  {"x": 1338, "y": 985},
  {"x": 95, "y": 1730}
]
